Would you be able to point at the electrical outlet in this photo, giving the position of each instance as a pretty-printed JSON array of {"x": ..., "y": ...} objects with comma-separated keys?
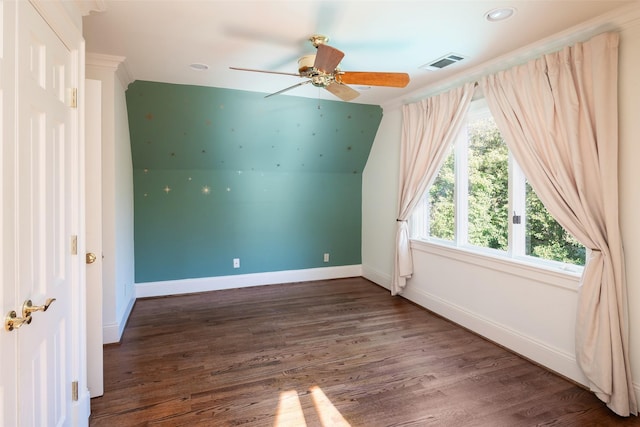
[
  {"x": 326, "y": 257},
  {"x": 236, "y": 263}
]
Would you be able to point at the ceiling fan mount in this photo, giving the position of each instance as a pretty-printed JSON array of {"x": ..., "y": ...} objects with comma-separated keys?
[
  {"x": 318, "y": 39},
  {"x": 321, "y": 70}
]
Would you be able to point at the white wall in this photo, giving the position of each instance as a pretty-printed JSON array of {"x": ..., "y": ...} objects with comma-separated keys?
[
  {"x": 117, "y": 195},
  {"x": 629, "y": 94},
  {"x": 527, "y": 310},
  {"x": 379, "y": 205},
  {"x": 123, "y": 208}
]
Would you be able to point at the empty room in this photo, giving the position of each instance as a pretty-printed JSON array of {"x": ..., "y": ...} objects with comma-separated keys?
[{"x": 320, "y": 213}]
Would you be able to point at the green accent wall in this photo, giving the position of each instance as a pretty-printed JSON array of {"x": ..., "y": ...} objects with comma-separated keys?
[{"x": 222, "y": 174}]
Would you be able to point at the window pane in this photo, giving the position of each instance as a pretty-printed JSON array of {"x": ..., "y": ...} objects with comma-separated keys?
[
  {"x": 441, "y": 202},
  {"x": 468, "y": 202},
  {"x": 546, "y": 238},
  {"x": 488, "y": 185}
]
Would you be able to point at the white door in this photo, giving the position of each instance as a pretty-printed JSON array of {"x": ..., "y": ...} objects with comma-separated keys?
[{"x": 40, "y": 204}]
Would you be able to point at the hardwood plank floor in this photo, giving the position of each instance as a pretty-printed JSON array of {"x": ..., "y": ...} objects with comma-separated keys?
[{"x": 327, "y": 353}]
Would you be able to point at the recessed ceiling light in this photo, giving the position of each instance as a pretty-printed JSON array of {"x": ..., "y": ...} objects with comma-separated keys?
[
  {"x": 199, "y": 67},
  {"x": 500, "y": 14}
]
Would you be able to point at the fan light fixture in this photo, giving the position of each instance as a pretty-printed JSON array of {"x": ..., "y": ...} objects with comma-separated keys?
[{"x": 501, "y": 14}]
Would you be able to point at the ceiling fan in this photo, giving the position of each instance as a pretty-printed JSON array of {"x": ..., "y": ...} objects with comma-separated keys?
[{"x": 322, "y": 70}]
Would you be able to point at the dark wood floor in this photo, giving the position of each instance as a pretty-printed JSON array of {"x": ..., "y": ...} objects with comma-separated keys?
[{"x": 327, "y": 353}]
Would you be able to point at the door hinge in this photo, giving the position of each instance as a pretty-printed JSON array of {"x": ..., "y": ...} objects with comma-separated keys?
[
  {"x": 72, "y": 100},
  {"x": 74, "y": 245},
  {"x": 74, "y": 391}
]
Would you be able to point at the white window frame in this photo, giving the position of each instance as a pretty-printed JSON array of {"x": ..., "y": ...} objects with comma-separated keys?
[{"x": 419, "y": 223}]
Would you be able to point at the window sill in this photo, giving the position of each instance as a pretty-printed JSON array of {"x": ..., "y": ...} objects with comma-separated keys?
[{"x": 547, "y": 274}]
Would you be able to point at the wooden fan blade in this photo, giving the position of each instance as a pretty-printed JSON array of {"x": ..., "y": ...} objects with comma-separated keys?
[
  {"x": 343, "y": 92},
  {"x": 288, "y": 88},
  {"x": 264, "y": 71},
  {"x": 327, "y": 58},
  {"x": 373, "y": 79}
]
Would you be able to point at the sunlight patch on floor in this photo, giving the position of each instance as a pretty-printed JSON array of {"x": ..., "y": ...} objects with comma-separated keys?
[
  {"x": 290, "y": 412},
  {"x": 329, "y": 415}
]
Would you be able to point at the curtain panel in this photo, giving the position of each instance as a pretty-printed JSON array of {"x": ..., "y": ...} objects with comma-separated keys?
[
  {"x": 559, "y": 116},
  {"x": 429, "y": 127}
]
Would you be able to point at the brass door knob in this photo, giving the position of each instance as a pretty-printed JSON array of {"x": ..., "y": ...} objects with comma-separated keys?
[
  {"x": 12, "y": 321},
  {"x": 91, "y": 258}
]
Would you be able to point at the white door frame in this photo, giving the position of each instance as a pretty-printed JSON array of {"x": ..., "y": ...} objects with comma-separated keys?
[
  {"x": 8, "y": 297},
  {"x": 93, "y": 211}
]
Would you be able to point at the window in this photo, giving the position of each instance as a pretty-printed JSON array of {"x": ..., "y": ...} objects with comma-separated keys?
[{"x": 481, "y": 200}]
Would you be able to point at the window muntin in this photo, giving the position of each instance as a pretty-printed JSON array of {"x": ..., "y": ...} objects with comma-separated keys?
[{"x": 481, "y": 199}]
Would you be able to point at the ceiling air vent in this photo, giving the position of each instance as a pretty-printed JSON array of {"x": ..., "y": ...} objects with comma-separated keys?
[{"x": 443, "y": 62}]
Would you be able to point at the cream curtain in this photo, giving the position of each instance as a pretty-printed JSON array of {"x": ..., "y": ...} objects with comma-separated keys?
[
  {"x": 428, "y": 129},
  {"x": 559, "y": 117}
]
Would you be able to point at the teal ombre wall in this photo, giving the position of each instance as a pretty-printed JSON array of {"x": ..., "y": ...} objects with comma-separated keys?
[{"x": 222, "y": 174}]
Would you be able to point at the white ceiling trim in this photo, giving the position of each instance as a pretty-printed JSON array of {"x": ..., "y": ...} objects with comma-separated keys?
[
  {"x": 87, "y": 6},
  {"x": 113, "y": 63}
]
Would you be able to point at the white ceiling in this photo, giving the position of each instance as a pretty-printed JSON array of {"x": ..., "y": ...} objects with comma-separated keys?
[{"x": 160, "y": 38}]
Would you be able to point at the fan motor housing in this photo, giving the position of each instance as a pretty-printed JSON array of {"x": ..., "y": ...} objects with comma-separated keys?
[
  {"x": 306, "y": 69},
  {"x": 305, "y": 64},
  {"x": 321, "y": 80}
]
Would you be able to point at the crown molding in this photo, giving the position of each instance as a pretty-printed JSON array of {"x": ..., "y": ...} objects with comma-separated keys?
[
  {"x": 87, "y": 6},
  {"x": 114, "y": 63},
  {"x": 104, "y": 61}
]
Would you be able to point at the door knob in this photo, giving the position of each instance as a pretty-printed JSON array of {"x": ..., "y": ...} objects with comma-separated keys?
[
  {"x": 90, "y": 258},
  {"x": 28, "y": 307},
  {"x": 12, "y": 321}
]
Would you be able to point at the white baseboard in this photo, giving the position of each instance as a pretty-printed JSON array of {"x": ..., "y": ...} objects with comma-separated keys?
[
  {"x": 112, "y": 332},
  {"x": 205, "y": 284},
  {"x": 552, "y": 358}
]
